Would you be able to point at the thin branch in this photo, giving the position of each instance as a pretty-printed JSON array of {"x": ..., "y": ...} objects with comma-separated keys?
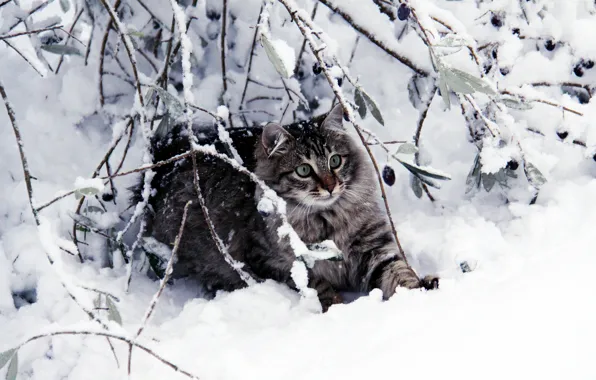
[
  {"x": 35, "y": 31},
  {"x": 25, "y": 164},
  {"x": 27, "y": 175},
  {"x": 421, "y": 119},
  {"x": 372, "y": 38},
  {"x": 36, "y": 9},
  {"x": 543, "y": 101},
  {"x": 313, "y": 14},
  {"x": 224, "y": 79},
  {"x": 188, "y": 99},
  {"x": 111, "y": 335},
  {"x": 23, "y": 56},
  {"x": 168, "y": 273},
  {"x": 74, "y": 23},
  {"x": 250, "y": 57}
]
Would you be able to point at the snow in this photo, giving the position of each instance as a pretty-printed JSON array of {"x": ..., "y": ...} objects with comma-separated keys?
[
  {"x": 93, "y": 183},
  {"x": 525, "y": 310}
]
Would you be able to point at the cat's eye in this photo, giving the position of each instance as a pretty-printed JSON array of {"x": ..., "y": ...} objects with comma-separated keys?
[
  {"x": 304, "y": 170},
  {"x": 335, "y": 161}
]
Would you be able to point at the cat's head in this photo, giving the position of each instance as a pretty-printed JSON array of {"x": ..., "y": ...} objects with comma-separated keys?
[{"x": 314, "y": 163}]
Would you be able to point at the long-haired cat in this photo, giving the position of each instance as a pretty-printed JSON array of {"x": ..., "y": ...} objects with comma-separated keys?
[{"x": 331, "y": 193}]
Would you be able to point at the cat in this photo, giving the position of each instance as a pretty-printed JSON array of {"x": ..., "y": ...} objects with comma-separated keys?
[{"x": 330, "y": 189}]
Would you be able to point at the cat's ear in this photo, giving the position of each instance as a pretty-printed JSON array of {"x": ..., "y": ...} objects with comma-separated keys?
[
  {"x": 275, "y": 139},
  {"x": 334, "y": 119}
]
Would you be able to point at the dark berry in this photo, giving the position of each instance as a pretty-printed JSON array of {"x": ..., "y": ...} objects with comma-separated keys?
[
  {"x": 494, "y": 54},
  {"x": 589, "y": 64},
  {"x": 549, "y": 45},
  {"x": 316, "y": 68},
  {"x": 516, "y": 31},
  {"x": 340, "y": 81},
  {"x": 300, "y": 74},
  {"x": 562, "y": 134},
  {"x": 212, "y": 14},
  {"x": 487, "y": 68},
  {"x": 512, "y": 165},
  {"x": 583, "y": 97},
  {"x": 346, "y": 118},
  {"x": 388, "y": 175},
  {"x": 107, "y": 197},
  {"x": 496, "y": 21},
  {"x": 578, "y": 71},
  {"x": 179, "y": 86},
  {"x": 403, "y": 12},
  {"x": 594, "y": 157},
  {"x": 504, "y": 71}
]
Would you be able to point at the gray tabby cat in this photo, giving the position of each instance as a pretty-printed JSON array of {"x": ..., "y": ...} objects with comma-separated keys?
[{"x": 331, "y": 193}]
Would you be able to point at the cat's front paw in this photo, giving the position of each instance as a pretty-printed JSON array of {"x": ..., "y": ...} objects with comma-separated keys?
[{"x": 429, "y": 282}]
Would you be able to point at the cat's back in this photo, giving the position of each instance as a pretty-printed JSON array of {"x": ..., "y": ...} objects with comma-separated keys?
[{"x": 228, "y": 196}]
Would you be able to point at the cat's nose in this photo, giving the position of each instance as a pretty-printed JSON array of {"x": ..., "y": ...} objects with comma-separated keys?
[{"x": 329, "y": 184}]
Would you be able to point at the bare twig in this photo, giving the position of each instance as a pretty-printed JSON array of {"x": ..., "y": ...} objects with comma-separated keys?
[
  {"x": 313, "y": 14},
  {"x": 168, "y": 273},
  {"x": 188, "y": 100},
  {"x": 23, "y": 56},
  {"x": 420, "y": 124},
  {"x": 27, "y": 175},
  {"x": 17, "y": 133},
  {"x": 543, "y": 101},
  {"x": 36, "y": 9},
  {"x": 35, "y": 31},
  {"x": 72, "y": 26},
  {"x": 224, "y": 79},
  {"x": 374, "y": 39},
  {"x": 110, "y": 335}
]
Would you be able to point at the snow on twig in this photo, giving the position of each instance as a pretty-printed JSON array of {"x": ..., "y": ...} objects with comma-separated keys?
[
  {"x": 51, "y": 249},
  {"x": 186, "y": 47},
  {"x": 109, "y": 335}
]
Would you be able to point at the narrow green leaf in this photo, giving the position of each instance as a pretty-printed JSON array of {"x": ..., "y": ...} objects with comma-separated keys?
[
  {"x": 359, "y": 100},
  {"x": 372, "y": 105},
  {"x": 473, "y": 179},
  {"x": 173, "y": 105},
  {"x": 407, "y": 148},
  {"x": 87, "y": 191},
  {"x": 13, "y": 367},
  {"x": 5, "y": 357},
  {"x": 61, "y": 49},
  {"x": 488, "y": 181},
  {"x": 275, "y": 57},
  {"x": 416, "y": 185},
  {"x": 94, "y": 209},
  {"x": 517, "y": 104},
  {"x": 113, "y": 313},
  {"x": 164, "y": 127},
  {"x": 456, "y": 84},
  {"x": 425, "y": 171},
  {"x": 443, "y": 87},
  {"x": 65, "y": 5},
  {"x": 97, "y": 301},
  {"x": 426, "y": 180},
  {"x": 135, "y": 33},
  {"x": 535, "y": 177},
  {"x": 460, "y": 79}
]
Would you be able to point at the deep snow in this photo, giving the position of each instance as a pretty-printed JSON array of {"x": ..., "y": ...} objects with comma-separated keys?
[{"x": 527, "y": 309}]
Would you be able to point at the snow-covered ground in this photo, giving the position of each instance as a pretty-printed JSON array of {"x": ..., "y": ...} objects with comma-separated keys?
[{"x": 527, "y": 309}]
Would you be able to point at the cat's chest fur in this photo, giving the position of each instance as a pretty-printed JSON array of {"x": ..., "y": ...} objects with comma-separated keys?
[{"x": 316, "y": 227}]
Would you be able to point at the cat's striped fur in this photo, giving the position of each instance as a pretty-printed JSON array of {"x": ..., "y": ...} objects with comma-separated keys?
[{"x": 336, "y": 202}]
